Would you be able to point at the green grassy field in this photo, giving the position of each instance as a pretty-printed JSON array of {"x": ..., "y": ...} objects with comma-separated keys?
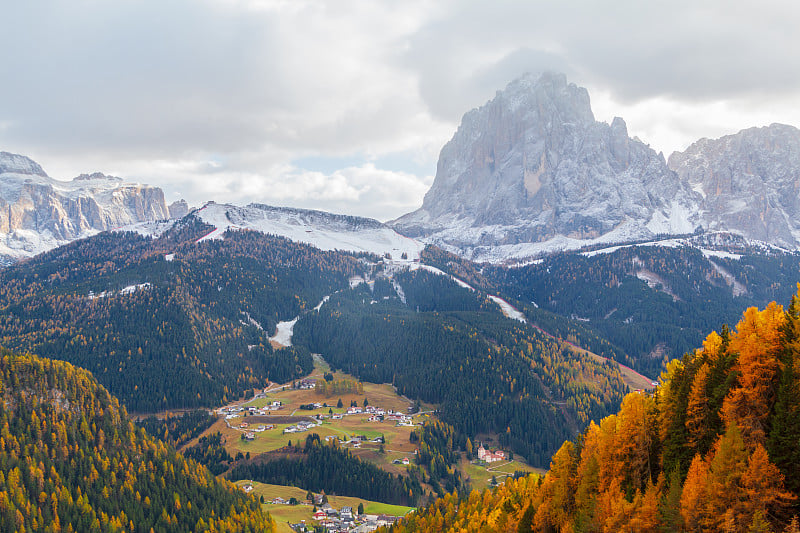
[
  {"x": 397, "y": 443},
  {"x": 282, "y": 514},
  {"x": 481, "y": 476}
]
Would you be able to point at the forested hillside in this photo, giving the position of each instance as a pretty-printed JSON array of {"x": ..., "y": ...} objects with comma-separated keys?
[
  {"x": 451, "y": 346},
  {"x": 323, "y": 467},
  {"x": 145, "y": 315},
  {"x": 715, "y": 448},
  {"x": 71, "y": 460},
  {"x": 650, "y": 303}
]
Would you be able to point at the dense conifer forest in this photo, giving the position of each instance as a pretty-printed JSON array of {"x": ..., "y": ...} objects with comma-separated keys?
[
  {"x": 318, "y": 466},
  {"x": 197, "y": 314},
  {"x": 451, "y": 346},
  {"x": 72, "y": 460},
  {"x": 177, "y": 430},
  {"x": 715, "y": 448},
  {"x": 645, "y": 326}
]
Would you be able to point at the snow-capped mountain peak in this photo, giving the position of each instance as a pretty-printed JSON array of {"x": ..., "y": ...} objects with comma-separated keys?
[
  {"x": 19, "y": 164},
  {"x": 38, "y": 213},
  {"x": 532, "y": 171}
]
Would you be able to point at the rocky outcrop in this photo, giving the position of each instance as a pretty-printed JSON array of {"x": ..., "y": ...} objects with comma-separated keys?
[
  {"x": 178, "y": 209},
  {"x": 38, "y": 213},
  {"x": 533, "y": 167},
  {"x": 750, "y": 183}
]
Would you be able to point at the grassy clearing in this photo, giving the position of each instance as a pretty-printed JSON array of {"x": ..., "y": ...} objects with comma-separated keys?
[
  {"x": 397, "y": 443},
  {"x": 481, "y": 476},
  {"x": 282, "y": 514}
]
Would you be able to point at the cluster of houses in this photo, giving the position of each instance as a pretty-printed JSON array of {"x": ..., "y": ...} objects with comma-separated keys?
[
  {"x": 377, "y": 414},
  {"x": 332, "y": 520},
  {"x": 490, "y": 457},
  {"x": 300, "y": 427},
  {"x": 250, "y": 434},
  {"x": 235, "y": 412}
]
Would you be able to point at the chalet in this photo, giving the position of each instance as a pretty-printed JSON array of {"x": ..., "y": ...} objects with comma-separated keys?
[
  {"x": 378, "y": 440},
  {"x": 305, "y": 425},
  {"x": 346, "y": 514},
  {"x": 249, "y": 436},
  {"x": 307, "y": 384},
  {"x": 356, "y": 444},
  {"x": 290, "y": 429},
  {"x": 320, "y": 515},
  {"x": 393, "y": 417},
  {"x": 374, "y": 418},
  {"x": 405, "y": 461},
  {"x": 490, "y": 457},
  {"x": 243, "y": 425},
  {"x": 330, "y": 511},
  {"x": 279, "y": 501},
  {"x": 247, "y": 487},
  {"x": 337, "y": 416},
  {"x": 386, "y": 519}
]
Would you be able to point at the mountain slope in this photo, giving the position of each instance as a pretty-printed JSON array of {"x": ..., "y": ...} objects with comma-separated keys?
[
  {"x": 38, "y": 213},
  {"x": 714, "y": 449},
  {"x": 531, "y": 172},
  {"x": 533, "y": 168},
  {"x": 146, "y": 314},
  {"x": 445, "y": 344},
  {"x": 71, "y": 460},
  {"x": 326, "y": 231},
  {"x": 652, "y": 303},
  {"x": 750, "y": 182}
]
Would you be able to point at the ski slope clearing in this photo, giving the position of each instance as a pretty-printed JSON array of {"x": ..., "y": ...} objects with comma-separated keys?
[{"x": 284, "y": 332}]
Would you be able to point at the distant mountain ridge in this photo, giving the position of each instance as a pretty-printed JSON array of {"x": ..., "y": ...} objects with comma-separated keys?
[
  {"x": 529, "y": 173},
  {"x": 532, "y": 172},
  {"x": 38, "y": 213},
  {"x": 326, "y": 231},
  {"x": 750, "y": 182}
]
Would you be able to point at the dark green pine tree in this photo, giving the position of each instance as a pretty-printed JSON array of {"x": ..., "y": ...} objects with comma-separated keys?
[{"x": 783, "y": 442}]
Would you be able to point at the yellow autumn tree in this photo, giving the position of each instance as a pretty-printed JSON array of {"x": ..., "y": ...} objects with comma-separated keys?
[
  {"x": 694, "y": 493},
  {"x": 558, "y": 491},
  {"x": 757, "y": 340},
  {"x": 725, "y": 478},
  {"x": 763, "y": 487}
]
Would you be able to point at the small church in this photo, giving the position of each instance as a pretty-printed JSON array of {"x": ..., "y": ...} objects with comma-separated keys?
[{"x": 490, "y": 457}]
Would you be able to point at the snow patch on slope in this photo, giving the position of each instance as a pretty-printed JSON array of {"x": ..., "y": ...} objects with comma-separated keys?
[
  {"x": 509, "y": 310},
  {"x": 284, "y": 332},
  {"x": 325, "y": 231}
]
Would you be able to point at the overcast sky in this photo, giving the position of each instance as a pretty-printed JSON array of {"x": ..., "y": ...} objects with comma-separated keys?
[{"x": 344, "y": 105}]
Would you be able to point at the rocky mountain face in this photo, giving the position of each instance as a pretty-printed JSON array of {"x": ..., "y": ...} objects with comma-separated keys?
[
  {"x": 532, "y": 172},
  {"x": 533, "y": 167},
  {"x": 38, "y": 213},
  {"x": 750, "y": 182}
]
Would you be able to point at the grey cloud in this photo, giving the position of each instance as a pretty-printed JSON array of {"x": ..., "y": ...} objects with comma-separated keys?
[
  {"x": 157, "y": 90},
  {"x": 691, "y": 51}
]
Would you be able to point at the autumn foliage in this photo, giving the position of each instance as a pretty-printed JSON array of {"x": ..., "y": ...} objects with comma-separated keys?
[
  {"x": 71, "y": 460},
  {"x": 715, "y": 448}
]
